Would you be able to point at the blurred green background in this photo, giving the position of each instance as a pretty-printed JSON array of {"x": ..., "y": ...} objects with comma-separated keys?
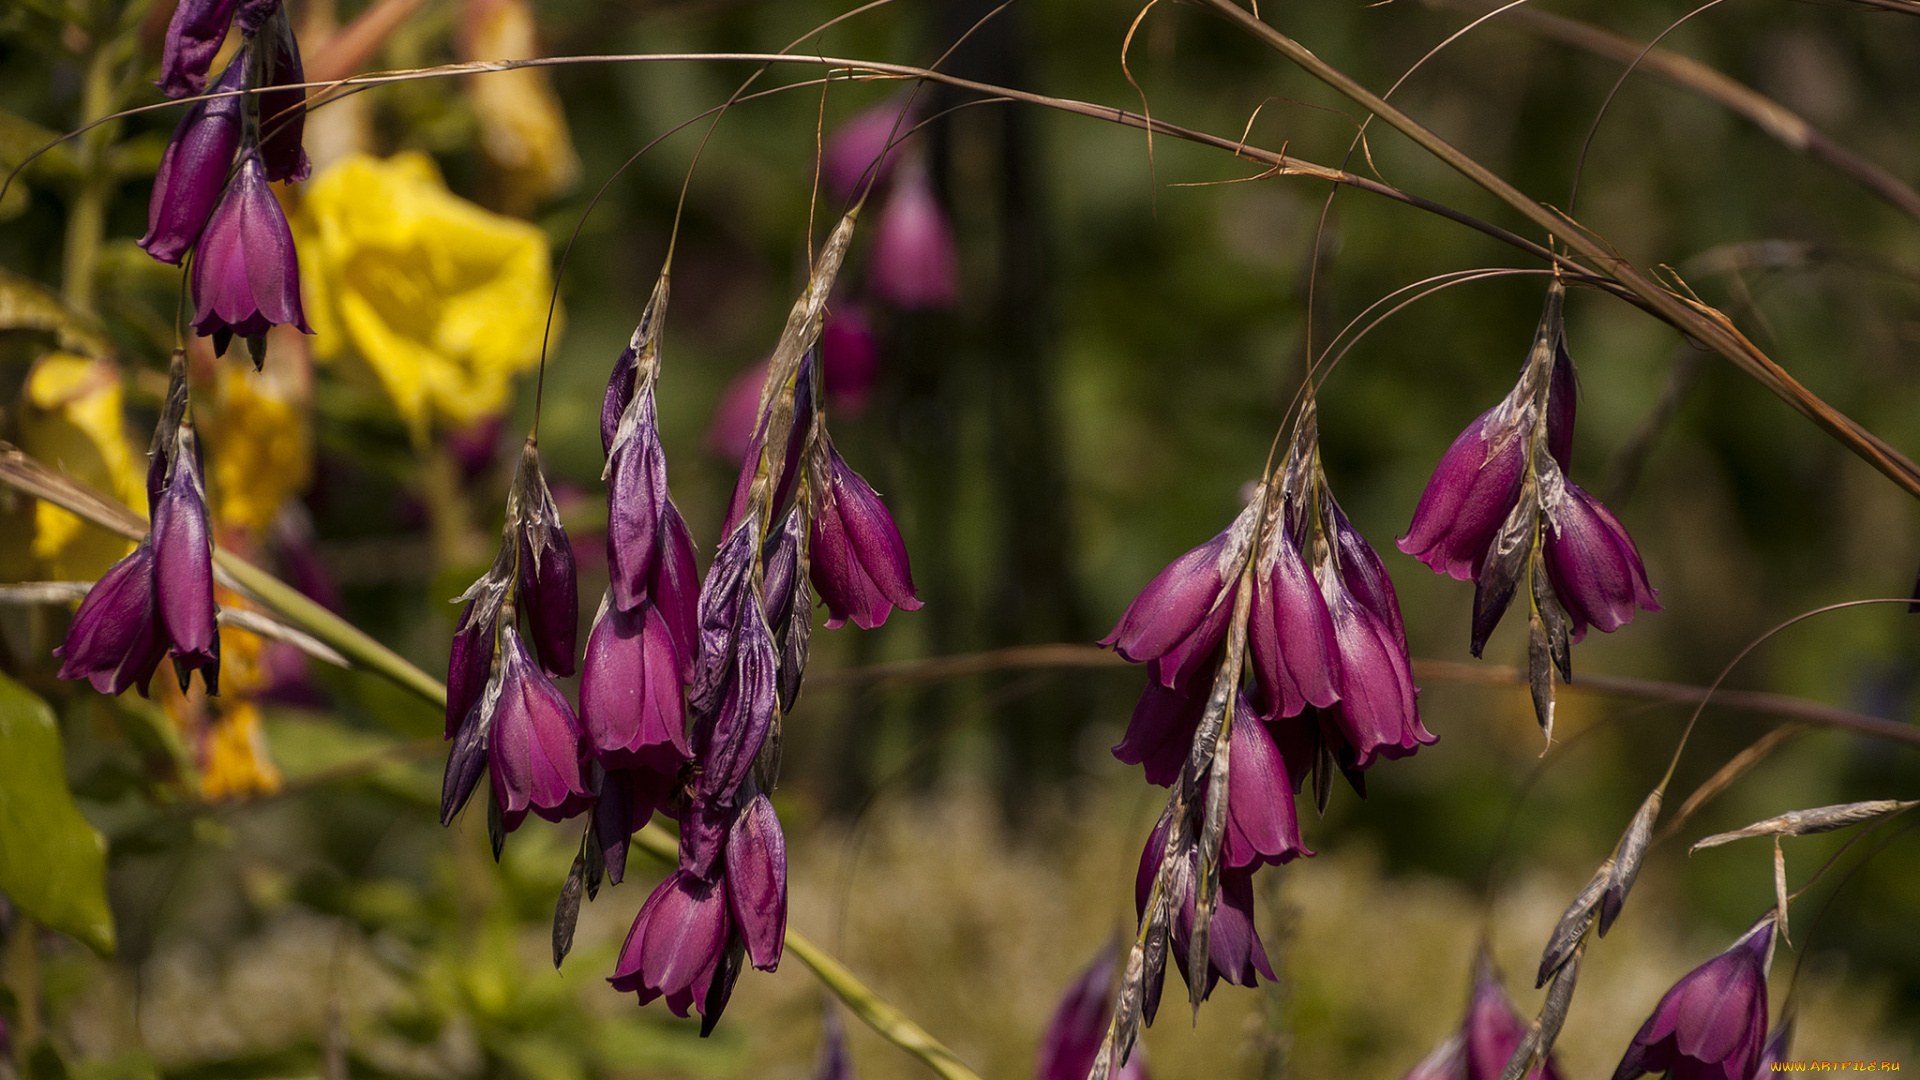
[{"x": 1132, "y": 328}]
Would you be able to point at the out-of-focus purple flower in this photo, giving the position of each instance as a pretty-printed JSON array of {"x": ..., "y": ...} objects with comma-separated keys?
[
  {"x": 115, "y": 641},
  {"x": 193, "y": 39},
  {"x": 283, "y": 111},
  {"x": 678, "y": 948},
  {"x": 913, "y": 264},
  {"x": 193, "y": 169},
  {"x": 1493, "y": 1029},
  {"x": 1776, "y": 1049},
  {"x": 1595, "y": 569},
  {"x": 859, "y": 563},
  {"x": 1233, "y": 946},
  {"x": 1079, "y": 1024},
  {"x": 1181, "y": 617},
  {"x": 549, "y": 583},
  {"x": 533, "y": 741},
  {"x": 849, "y": 358},
  {"x": 246, "y": 277},
  {"x": 833, "y": 1062},
  {"x": 853, "y": 151},
  {"x": 730, "y": 432},
  {"x": 183, "y": 567},
  {"x": 631, "y": 701},
  {"x": 757, "y": 882},
  {"x": 1711, "y": 1024},
  {"x": 476, "y": 446}
]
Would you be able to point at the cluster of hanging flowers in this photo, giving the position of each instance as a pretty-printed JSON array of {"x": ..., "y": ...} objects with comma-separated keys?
[
  {"x": 211, "y": 195},
  {"x": 684, "y": 682},
  {"x": 1274, "y": 651}
]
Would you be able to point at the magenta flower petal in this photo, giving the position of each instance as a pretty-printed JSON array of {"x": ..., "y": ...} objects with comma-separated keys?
[
  {"x": 726, "y": 752},
  {"x": 859, "y": 563},
  {"x": 1595, "y": 569},
  {"x": 1494, "y": 1028},
  {"x": 469, "y": 664},
  {"x": 1377, "y": 712},
  {"x": 1713, "y": 1021},
  {"x": 246, "y": 277},
  {"x": 849, "y": 358},
  {"x": 914, "y": 264},
  {"x": 550, "y": 591},
  {"x": 1160, "y": 734},
  {"x": 1079, "y": 1025},
  {"x": 1262, "y": 828},
  {"x": 115, "y": 640},
  {"x": 1234, "y": 949},
  {"x": 853, "y": 151},
  {"x": 1473, "y": 489},
  {"x": 636, "y": 505},
  {"x": 193, "y": 169},
  {"x": 676, "y": 944},
  {"x": 1181, "y": 616},
  {"x": 675, "y": 589},
  {"x": 1291, "y": 636},
  {"x": 735, "y": 415},
  {"x": 757, "y": 881},
  {"x": 533, "y": 749},
  {"x": 631, "y": 703},
  {"x": 183, "y": 570},
  {"x": 194, "y": 36}
]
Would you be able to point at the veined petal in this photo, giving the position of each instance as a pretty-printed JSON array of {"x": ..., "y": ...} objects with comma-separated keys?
[
  {"x": 757, "y": 881},
  {"x": 1472, "y": 490}
]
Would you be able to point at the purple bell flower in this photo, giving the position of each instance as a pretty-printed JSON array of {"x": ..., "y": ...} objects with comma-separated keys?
[
  {"x": 1595, "y": 569},
  {"x": 549, "y": 586},
  {"x": 1160, "y": 733},
  {"x": 183, "y": 567},
  {"x": 756, "y": 880},
  {"x": 246, "y": 277},
  {"x": 1711, "y": 1024},
  {"x": 859, "y": 563},
  {"x": 1179, "y": 620},
  {"x": 533, "y": 741},
  {"x": 678, "y": 947},
  {"x": 193, "y": 169},
  {"x": 1079, "y": 1025},
  {"x": 1234, "y": 952},
  {"x": 115, "y": 641},
  {"x": 631, "y": 699},
  {"x": 1494, "y": 1029},
  {"x": 1262, "y": 827},
  {"x": 914, "y": 264},
  {"x": 194, "y": 36},
  {"x": 1296, "y": 663},
  {"x": 626, "y": 802}
]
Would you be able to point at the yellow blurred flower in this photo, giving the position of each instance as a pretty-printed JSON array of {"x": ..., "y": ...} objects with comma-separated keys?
[
  {"x": 70, "y": 418},
  {"x": 234, "y": 762},
  {"x": 259, "y": 446},
  {"x": 522, "y": 127},
  {"x": 443, "y": 300}
]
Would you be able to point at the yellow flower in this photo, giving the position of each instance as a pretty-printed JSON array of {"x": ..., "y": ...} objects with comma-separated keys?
[
  {"x": 443, "y": 300},
  {"x": 258, "y": 445},
  {"x": 70, "y": 418},
  {"x": 235, "y": 762},
  {"x": 522, "y": 127}
]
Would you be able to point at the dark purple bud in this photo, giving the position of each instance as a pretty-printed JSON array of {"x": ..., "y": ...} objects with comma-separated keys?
[
  {"x": 636, "y": 502},
  {"x": 465, "y": 761},
  {"x": 727, "y": 750},
  {"x": 1233, "y": 946},
  {"x": 549, "y": 583},
  {"x": 859, "y": 563},
  {"x": 833, "y": 1061},
  {"x": 724, "y": 597},
  {"x": 253, "y": 14},
  {"x": 471, "y": 660},
  {"x": 283, "y": 112},
  {"x": 1181, "y": 617},
  {"x": 849, "y": 358},
  {"x": 193, "y": 39},
  {"x": 1713, "y": 1021},
  {"x": 115, "y": 640},
  {"x": 533, "y": 747},
  {"x": 1378, "y": 712},
  {"x": 1472, "y": 491},
  {"x": 183, "y": 568},
  {"x": 626, "y": 802},
  {"x": 1079, "y": 1024},
  {"x": 1262, "y": 828},
  {"x": 757, "y": 881},
  {"x": 1361, "y": 569},
  {"x": 246, "y": 277},
  {"x": 1290, "y": 633},
  {"x": 193, "y": 170},
  {"x": 631, "y": 702},
  {"x": 1561, "y": 405},
  {"x": 852, "y": 153},
  {"x": 789, "y": 604},
  {"x": 736, "y": 416},
  {"x": 1160, "y": 734},
  {"x": 677, "y": 944},
  {"x": 675, "y": 589},
  {"x": 620, "y": 387},
  {"x": 1595, "y": 569},
  {"x": 1494, "y": 1028},
  {"x": 914, "y": 264}
]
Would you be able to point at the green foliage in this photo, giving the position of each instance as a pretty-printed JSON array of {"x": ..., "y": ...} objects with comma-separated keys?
[{"x": 53, "y": 864}]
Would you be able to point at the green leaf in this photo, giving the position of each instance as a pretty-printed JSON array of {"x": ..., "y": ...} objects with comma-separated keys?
[
  {"x": 26, "y": 304},
  {"x": 53, "y": 865}
]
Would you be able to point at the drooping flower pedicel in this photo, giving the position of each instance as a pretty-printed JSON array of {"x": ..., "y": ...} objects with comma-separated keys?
[{"x": 1501, "y": 512}]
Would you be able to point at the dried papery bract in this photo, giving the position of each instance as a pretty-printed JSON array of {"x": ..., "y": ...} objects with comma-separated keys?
[
  {"x": 1535, "y": 1049},
  {"x": 1501, "y": 512},
  {"x": 1805, "y": 822}
]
